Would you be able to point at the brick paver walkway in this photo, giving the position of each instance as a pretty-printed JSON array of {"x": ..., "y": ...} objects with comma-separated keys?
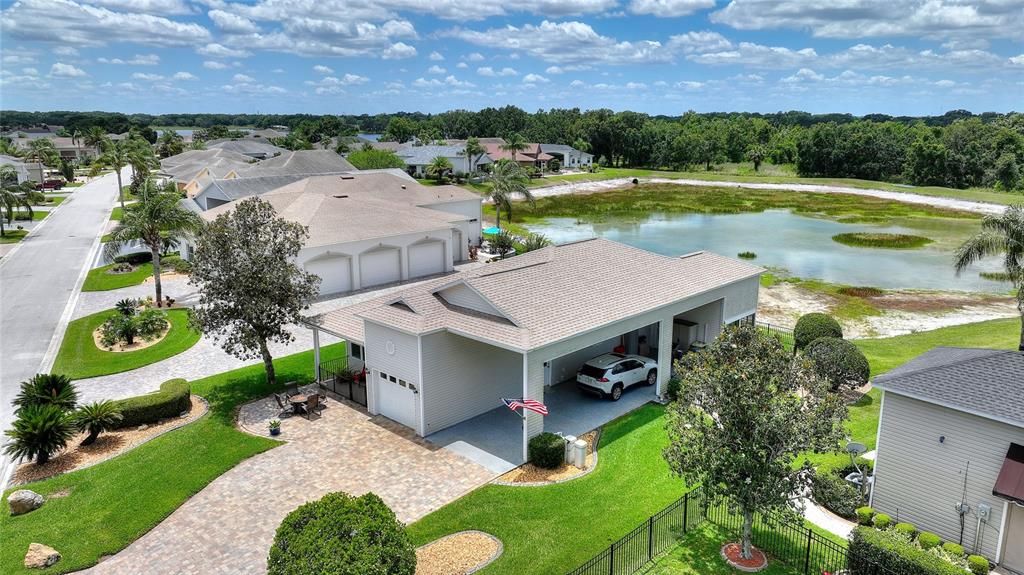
[{"x": 228, "y": 527}]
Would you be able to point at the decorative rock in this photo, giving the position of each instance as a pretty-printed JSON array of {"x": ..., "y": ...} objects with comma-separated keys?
[
  {"x": 23, "y": 501},
  {"x": 143, "y": 427},
  {"x": 40, "y": 556}
]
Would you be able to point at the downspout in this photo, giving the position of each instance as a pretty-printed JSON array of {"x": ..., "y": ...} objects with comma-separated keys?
[{"x": 316, "y": 354}]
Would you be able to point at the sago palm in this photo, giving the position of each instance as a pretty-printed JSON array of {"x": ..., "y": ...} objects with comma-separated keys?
[
  {"x": 95, "y": 418},
  {"x": 439, "y": 167},
  {"x": 1001, "y": 234},
  {"x": 508, "y": 179},
  {"x": 38, "y": 432},
  {"x": 47, "y": 389},
  {"x": 151, "y": 220}
]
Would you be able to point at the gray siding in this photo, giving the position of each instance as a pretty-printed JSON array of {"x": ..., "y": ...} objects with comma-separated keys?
[
  {"x": 740, "y": 299},
  {"x": 919, "y": 479},
  {"x": 403, "y": 363},
  {"x": 463, "y": 378}
]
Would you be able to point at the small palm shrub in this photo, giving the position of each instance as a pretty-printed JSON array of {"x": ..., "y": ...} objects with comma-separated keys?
[
  {"x": 546, "y": 450},
  {"x": 146, "y": 324},
  {"x": 47, "y": 389},
  {"x": 127, "y": 306},
  {"x": 95, "y": 418},
  {"x": 342, "y": 535},
  {"x": 533, "y": 242},
  {"x": 811, "y": 326},
  {"x": 39, "y": 432},
  {"x": 839, "y": 362}
]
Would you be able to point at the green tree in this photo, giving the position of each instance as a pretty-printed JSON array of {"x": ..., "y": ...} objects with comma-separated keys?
[
  {"x": 47, "y": 389},
  {"x": 757, "y": 154},
  {"x": 153, "y": 219},
  {"x": 439, "y": 167},
  {"x": 38, "y": 432},
  {"x": 1000, "y": 235},
  {"x": 514, "y": 144},
  {"x": 371, "y": 159},
  {"x": 95, "y": 137},
  {"x": 243, "y": 310},
  {"x": 171, "y": 143},
  {"x": 746, "y": 411},
  {"x": 95, "y": 418},
  {"x": 508, "y": 179},
  {"x": 42, "y": 150},
  {"x": 1006, "y": 171},
  {"x": 13, "y": 196},
  {"x": 534, "y": 242},
  {"x": 474, "y": 153},
  {"x": 114, "y": 155},
  {"x": 399, "y": 130}
]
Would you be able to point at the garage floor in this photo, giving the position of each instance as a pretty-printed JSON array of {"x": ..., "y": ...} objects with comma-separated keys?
[{"x": 495, "y": 439}]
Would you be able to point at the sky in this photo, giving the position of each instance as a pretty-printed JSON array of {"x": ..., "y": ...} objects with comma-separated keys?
[{"x": 912, "y": 57}]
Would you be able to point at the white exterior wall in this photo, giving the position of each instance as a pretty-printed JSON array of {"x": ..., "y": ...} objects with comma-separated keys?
[
  {"x": 392, "y": 352},
  {"x": 919, "y": 479},
  {"x": 464, "y": 378},
  {"x": 471, "y": 229},
  {"x": 460, "y": 164},
  {"x": 402, "y": 242}
]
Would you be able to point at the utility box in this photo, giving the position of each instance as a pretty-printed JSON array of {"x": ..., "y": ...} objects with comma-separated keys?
[
  {"x": 569, "y": 440},
  {"x": 578, "y": 449}
]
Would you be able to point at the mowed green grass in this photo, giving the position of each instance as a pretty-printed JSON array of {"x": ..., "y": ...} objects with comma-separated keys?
[
  {"x": 12, "y": 236},
  {"x": 100, "y": 279},
  {"x": 114, "y": 503},
  {"x": 79, "y": 358},
  {"x": 117, "y": 214}
]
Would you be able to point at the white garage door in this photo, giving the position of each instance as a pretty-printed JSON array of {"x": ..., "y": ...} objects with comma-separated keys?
[
  {"x": 397, "y": 399},
  {"x": 380, "y": 266},
  {"x": 426, "y": 258},
  {"x": 335, "y": 273}
]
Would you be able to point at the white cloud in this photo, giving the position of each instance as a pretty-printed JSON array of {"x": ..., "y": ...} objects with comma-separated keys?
[
  {"x": 30, "y": 71},
  {"x": 147, "y": 77},
  {"x": 567, "y": 68},
  {"x": 436, "y": 56},
  {"x": 242, "y": 78},
  {"x": 168, "y": 7},
  {"x": 804, "y": 75},
  {"x": 689, "y": 85},
  {"x": 398, "y": 51},
  {"x": 491, "y": 72},
  {"x": 449, "y": 81},
  {"x": 475, "y": 57},
  {"x": 232, "y": 23},
  {"x": 1017, "y": 60},
  {"x": 65, "y": 51},
  {"x": 62, "y": 70},
  {"x": 15, "y": 59},
  {"x": 535, "y": 79},
  {"x": 462, "y": 65},
  {"x": 669, "y": 8},
  {"x": 321, "y": 69},
  {"x": 211, "y": 65},
  {"x": 70, "y": 23},
  {"x": 334, "y": 85},
  {"x": 184, "y": 76},
  {"x": 435, "y": 69},
  {"x": 137, "y": 60},
  {"x": 636, "y": 86},
  {"x": 215, "y": 50}
]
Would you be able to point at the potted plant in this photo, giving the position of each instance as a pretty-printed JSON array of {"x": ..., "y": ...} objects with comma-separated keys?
[{"x": 275, "y": 427}]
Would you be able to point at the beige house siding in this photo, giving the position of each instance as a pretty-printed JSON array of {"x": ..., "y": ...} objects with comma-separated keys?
[
  {"x": 918, "y": 479},
  {"x": 463, "y": 378}
]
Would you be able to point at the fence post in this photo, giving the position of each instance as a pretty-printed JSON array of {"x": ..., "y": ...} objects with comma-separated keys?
[
  {"x": 807, "y": 557},
  {"x": 686, "y": 509},
  {"x": 611, "y": 559}
]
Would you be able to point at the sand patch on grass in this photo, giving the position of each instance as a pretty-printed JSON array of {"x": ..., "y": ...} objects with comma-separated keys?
[{"x": 457, "y": 554}]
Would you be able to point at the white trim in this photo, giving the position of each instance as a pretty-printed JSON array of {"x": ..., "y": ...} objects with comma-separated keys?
[
  {"x": 526, "y": 390},
  {"x": 316, "y": 354},
  {"x": 420, "y": 410},
  {"x": 1002, "y": 531},
  {"x": 878, "y": 450}
]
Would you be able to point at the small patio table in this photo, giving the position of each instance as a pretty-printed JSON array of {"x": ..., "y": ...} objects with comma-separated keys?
[{"x": 298, "y": 401}]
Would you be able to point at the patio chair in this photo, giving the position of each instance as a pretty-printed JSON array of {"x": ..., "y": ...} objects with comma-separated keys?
[
  {"x": 321, "y": 401},
  {"x": 311, "y": 404},
  {"x": 282, "y": 402},
  {"x": 291, "y": 388}
]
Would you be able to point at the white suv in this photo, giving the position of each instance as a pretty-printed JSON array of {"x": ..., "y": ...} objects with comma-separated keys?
[{"x": 611, "y": 373}]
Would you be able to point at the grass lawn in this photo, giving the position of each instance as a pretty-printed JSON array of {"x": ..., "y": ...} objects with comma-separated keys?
[
  {"x": 13, "y": 236},
  {"x": 114, "y": 503},
  {"x": 698, "y": 554},
  {"x": 74, "y": 184},
  {"x": 79, "y": 357},
  {"x": 99, "y": 280},
  {"x": 21, "y": 215},
  {"x": 117, "y": 214},
  {"x": 54, "y": 200}
]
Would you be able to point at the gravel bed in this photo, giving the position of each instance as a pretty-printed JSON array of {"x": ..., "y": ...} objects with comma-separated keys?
[
  {"x": 460, "y": 553},
  {"x": 531, "y": 474}
]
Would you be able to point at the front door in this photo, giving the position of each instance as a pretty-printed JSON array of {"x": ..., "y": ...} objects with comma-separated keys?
[
  {"x": 397, "y": 399},
  {"x": 1013, "y": 544}
]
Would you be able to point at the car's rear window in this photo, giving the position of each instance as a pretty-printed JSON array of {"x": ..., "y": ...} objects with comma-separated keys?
[{"x": 592, "y": 371}]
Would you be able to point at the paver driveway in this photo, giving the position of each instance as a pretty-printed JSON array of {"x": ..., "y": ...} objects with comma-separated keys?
[{"x": 229, "y": 526}]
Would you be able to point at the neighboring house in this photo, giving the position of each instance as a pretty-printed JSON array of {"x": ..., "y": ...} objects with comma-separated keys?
[
  {"x": 192, "y": 170},
  {"x": 418, "y": 158},
  {"x": 66, "y": 147},
  {"x": 298, "y": 163},
  {"x": 951, "y": 435},
  {"x": 441, "y": 355},
  {"x": 569, "y": 156},
  {"x": 530, "y": 157},
  {"x": 371, "y": 228},
  {"x": 266, "y": 134},
  {"x": 252, "y": 147},
  {"x": 26, "y": 171}
]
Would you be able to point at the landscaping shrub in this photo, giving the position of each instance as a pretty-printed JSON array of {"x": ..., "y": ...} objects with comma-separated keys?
[
  {"x": 177, "y": 264},
  {"x": 811, "y": 326},
  {"x": 839, "y": 362},
  {"x": 881, "y": 521},
  {"x": 907, "y": 529},
  {"x": 864, "y": 515},
  {"x": 928, "y": 540},
  {"x": 953, "y": 549},
  {"x": 872, "y": 547},
  {"x": 672, "y": 390},
  {"x": 170, "y": 401},
  {"x": 836, "y": 494},
  {"x": 746, "y": 255},
  {"x": 125, "y": 327},
  {"x": 95, "y": 418},
  {"x": 977, "y": 564},
  {"x": 47, "y": 389},
  {"x": 547, "y": 450},
  {"x": 134, "y": 258},
  {"x": 342, "y": 535},
  {"x": 39, "y": 431}
]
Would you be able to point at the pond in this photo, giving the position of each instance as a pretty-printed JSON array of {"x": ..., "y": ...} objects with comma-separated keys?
[{"x": 802, "y": 245}]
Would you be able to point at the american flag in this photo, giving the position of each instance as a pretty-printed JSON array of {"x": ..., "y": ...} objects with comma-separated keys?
[{"x": 531, "y": 404}]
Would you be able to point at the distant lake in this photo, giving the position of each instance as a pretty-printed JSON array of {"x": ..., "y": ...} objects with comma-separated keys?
[
  {"x": 371, "y": 137},
  {"x": 802, "y": 245},
  {"x": 181, "y": 132}
]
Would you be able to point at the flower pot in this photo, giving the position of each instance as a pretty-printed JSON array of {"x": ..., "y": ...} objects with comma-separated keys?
[{"x": 275, "y": 431}]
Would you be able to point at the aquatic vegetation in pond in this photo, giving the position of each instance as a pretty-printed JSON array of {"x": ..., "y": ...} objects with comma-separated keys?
[
  {"x": 995, "y": 276},
  {"x": 746, "y": 255},
  {"x": 881, "y": 240}
]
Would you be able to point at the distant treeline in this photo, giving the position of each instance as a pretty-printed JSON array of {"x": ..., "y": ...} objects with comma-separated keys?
[{"x": 957, "y": 149}]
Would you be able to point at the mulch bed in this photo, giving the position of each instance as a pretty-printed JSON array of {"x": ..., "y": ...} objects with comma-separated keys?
[
  {"x": 530, "y": 473},
  {"x": 107, "y": 445},
  {"x": 460, "y": 553},
  {"x": 733, "y": 555}
]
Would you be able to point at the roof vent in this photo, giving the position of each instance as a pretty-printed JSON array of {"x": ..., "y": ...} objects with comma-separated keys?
[
  {"x": 341, "y": 195},
  {"x": 403, "y": 186},
  {"x": 347, "y": 177}
]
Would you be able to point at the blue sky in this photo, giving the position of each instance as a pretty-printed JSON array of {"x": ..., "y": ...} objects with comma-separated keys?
[{"x": 657, "y": 56}]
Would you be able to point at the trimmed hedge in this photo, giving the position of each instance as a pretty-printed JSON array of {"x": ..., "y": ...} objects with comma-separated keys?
[
  {"x": 811, "y": 326},
  {"x": 839, "y": 362},
  {"x": 672, "y": 391},
  {"x": 927, "y": 540},
  {"x": 170, "y": 401},
  {"x": 546, "y": 450},
  {"x": 864, "y": 515},
  {"x": 836, "y": 494},
  {"x": 881, "y": 521},
  {"x": 977, "y": 564},
  {"x": 342, "y": 535},
  {"x": 953, "y": 549},
  {"x": 870, "y": 547},
  {"x": 134, "y": 258},
  {"x": 907, "y": 529}
]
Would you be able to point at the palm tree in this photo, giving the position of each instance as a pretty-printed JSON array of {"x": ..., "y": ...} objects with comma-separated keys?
[
  {"x": 151, "y": 220},
  {"x": 508, "y": 179},
  {"x": 474, "y": 152},
  {"x": 95, "y": 137},
  {"x": 534, "y": 242},
  {"x": 76, "y": 139},
  {"x": 170, "y": 144},
  {"x": 13, "y": 196},
  {"x": 95, "y": 418},
  {"x": 47, "y": 389},
  {"x": 115, "y": 155},
  {"x": 757, "y": 154},
  {"x": 41, "y": 150},
  {"x": 514, "y": 144},
  {"x": 39, "y": 432},
  {"x": 439, "y": 167},
  {"x": 1001, "y": 234}
]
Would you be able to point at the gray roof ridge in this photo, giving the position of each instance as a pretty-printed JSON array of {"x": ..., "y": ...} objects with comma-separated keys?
[{"x": 887, "y": 377}]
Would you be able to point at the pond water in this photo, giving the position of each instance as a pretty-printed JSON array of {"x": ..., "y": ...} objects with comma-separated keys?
[{"x": 802, "y": 245}]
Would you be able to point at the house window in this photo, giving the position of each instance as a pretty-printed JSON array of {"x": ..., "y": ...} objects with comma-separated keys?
[
  {"x": 392, "y": 379},
  {"x": 356, "y": 351}
]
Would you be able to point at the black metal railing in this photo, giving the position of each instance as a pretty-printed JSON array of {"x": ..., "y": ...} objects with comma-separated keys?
[
  {"x": 783, "y": 334},
  {"x": 336, "y": 377}
]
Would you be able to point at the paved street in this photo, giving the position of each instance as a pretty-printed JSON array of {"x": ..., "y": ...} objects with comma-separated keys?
[{"x": 38, "y": 279}]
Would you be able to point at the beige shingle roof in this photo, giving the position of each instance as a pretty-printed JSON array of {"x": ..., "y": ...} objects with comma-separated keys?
[{"x": 548, "y": 295}]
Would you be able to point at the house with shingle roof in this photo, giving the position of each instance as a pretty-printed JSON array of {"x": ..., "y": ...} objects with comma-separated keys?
[
  {"x": 951, "y": 449},
  {"x": 418, "y": 158},
  {"x": 441, "y": 355}
]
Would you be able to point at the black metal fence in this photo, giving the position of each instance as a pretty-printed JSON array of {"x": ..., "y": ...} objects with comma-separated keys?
[
  {"x": 783, "y": 334},
  {"x": 336, "y": 377},
  {"x": 785, "y": 540}
]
